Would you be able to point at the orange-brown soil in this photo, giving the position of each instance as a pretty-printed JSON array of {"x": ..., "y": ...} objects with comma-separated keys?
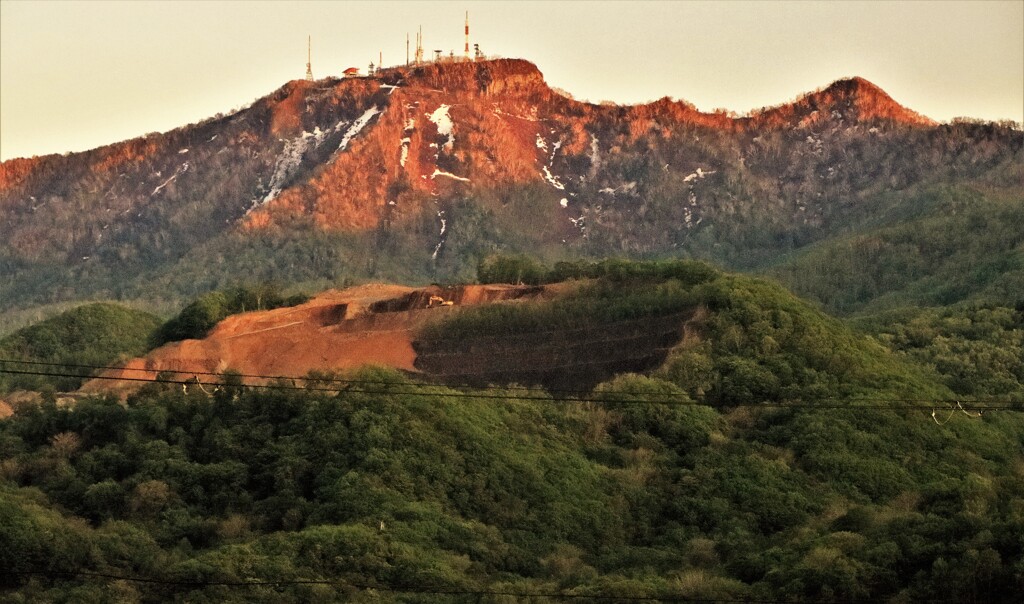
[{"x": 337, "y": 330}]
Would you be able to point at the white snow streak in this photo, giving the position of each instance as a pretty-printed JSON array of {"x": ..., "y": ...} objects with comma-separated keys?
[
  {"x": 358, "y": 125},
  {"x": 552, "y": 180},
  {"x": 548, "y": 176},
  {"x": 438, "y": 172},
  {"x": 444, "y": 125},
  {"x": 288, "y": 162},
  {"x": 178, "y": 172},
  {"x": 533, "y": 118},
  {"x": 698, "y": 174},
  {"x": 444, "y": 227},
  {"x": 626, "y": 188},
  {"x": 410, "y": 127}
]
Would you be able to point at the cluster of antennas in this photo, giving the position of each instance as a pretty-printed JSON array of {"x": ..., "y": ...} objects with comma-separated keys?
[{"x": 417, "y": 58}]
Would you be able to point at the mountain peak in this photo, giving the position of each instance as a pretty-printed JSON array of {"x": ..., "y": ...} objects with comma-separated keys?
[{"x": 853, "y": 100}]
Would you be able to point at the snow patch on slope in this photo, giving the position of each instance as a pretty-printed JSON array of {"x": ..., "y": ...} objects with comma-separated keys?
[
  {"x": 698, "y": 174},
  {"x": 546, "y": 170},
  {"x": 628, "y": 187},
  {"x": 410, "y": 127},
  {"x": 181, "y": 170},
  {"x": 438, "y": 172},
  {"x": 443, "y": 120},
  {"x": 595, "y": 158},
  {"x": 552, "y": 179},
  {"x": 289, "y": 160},
  {"x": 444, "y": 227},
  {"x": 357, "y": 126}
]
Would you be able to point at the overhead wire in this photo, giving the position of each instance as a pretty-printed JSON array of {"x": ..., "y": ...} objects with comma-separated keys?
[
  {"x": 628, "y": 398},
  {"x": 360, "y": 381},
  {"x": 420, "y": 590}
]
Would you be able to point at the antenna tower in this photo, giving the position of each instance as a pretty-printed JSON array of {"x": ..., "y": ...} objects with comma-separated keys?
[
  {"x": 309, "y": 55},
  {"x": 467, "y": 36},
  {"x": 419, "y": 46}
]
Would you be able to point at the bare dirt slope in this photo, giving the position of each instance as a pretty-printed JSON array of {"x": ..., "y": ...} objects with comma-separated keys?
[{"x": 365, "y": 325}]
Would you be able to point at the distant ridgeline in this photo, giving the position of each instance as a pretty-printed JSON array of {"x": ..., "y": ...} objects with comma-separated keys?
[{"x": 416, "y": 174}]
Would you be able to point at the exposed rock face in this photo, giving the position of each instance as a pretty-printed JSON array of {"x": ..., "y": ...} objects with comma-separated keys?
[{"x": 414, "y": 145}]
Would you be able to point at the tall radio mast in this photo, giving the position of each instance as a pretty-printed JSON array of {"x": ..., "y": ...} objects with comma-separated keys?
[
  {"x": 467, "y": 36},
  {"x": 419, "y": 46},
  {"x": 309, "y": 55}
]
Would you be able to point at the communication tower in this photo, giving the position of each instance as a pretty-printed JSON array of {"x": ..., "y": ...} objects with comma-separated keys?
[
  {"x": 467, "y": 36},
  {"x": 419, "y": 46},
  {"x": 309, "y": 56}
]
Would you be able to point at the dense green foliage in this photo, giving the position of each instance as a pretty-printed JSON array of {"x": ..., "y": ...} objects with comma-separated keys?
[
  {"x": 91, "y": 334},
  {"x": 436, "y": 491},
  {"x": 199, "y": 317},
  {"x": 519, "y": 268},
  {"x": 388, "y": 488},
  {"x": 623, "y": 291},
  {"x": 758, "y": 342},
  {"x": 941, "y": 246},
  {"x": 979, "y": 350}
]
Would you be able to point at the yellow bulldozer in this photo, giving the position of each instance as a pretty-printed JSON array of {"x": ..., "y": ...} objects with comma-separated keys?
[{"x": 436, "y": 301}]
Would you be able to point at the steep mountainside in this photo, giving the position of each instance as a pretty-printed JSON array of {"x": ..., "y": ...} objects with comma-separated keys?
[{"x": 418, "y": 173}]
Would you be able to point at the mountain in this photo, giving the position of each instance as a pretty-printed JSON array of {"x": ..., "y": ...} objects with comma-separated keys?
[{"x": 417, "y": 174}]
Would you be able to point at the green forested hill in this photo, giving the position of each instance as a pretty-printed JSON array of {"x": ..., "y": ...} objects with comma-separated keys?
[
  {"x": 91, "y": 334},
  {"x": 697, "y": 481},
  {"x": 940, "y": 246}
]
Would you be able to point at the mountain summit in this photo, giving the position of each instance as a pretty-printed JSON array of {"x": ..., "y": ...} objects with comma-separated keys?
[
  {"x": 854, "y": 100},
  {"x": 417, "y": 172}
]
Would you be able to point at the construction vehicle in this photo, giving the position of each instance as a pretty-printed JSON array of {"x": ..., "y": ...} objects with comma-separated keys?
[{"x": 436, "y": 301}]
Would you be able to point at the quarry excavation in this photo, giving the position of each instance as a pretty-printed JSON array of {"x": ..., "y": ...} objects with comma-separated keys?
[{"x": 379, "y": 325}]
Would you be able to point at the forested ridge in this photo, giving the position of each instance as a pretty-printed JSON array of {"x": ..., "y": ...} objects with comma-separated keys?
[
  {"x": 775, "y": 454},
  {"x": 351, "y": 180}
]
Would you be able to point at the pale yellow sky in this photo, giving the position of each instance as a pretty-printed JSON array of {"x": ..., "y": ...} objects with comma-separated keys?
[{"x": 77, "y": 75}]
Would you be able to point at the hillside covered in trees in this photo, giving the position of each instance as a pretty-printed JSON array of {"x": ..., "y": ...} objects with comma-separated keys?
[
  {"x": 774, "y": 453},
  {"x": 416, "y": 175}
]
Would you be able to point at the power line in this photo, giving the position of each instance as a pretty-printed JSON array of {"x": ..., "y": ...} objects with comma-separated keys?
[
  {"x": 333, "y": 380},
  {"x": 852, "y": 403},
  {"x": 408, "y": 590}
]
